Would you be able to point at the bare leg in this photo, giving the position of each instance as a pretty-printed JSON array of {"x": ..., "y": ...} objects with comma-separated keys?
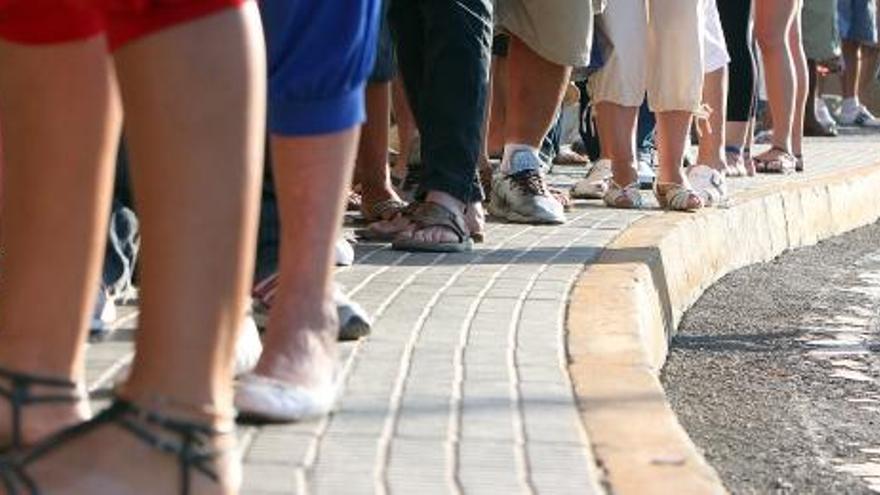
[
  {"x": 535, "y": 90},
  {"x": 672, "y": 140},
  {"x": 196, "y": 142},
  {"x": 802, "y": 82},
  {"x": 311, "y": 173},
  {"x": 852, "y": 65},
  {"x": 711, "y": 151},
  {"x": 735, "y": 133},
  {"x": 61, "y": 121},
  {"x": 406, "y": 126},
  {"x": 371, "y": 169},
  {"x": 617, "y": 133},
  {"x": 773, "y": 20}
]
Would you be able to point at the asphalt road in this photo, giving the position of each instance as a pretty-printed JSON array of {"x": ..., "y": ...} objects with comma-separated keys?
[{"x": 775, "y": 372}]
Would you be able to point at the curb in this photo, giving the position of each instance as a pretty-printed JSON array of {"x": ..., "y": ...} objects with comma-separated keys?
[{"x": 625, "y": 307}]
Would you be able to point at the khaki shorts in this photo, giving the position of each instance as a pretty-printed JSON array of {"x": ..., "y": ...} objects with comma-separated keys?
[
  {"x": 821, "y": 39},
  {"x": 560, "y": 31}
]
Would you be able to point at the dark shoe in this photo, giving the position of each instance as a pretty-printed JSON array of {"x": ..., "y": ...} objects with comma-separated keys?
[{"x": 816, "y": 129}]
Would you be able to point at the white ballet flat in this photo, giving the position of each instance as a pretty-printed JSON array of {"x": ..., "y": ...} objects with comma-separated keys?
[{"x": 262, "y": 398}]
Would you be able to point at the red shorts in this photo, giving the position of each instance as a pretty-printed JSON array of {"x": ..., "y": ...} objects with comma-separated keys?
[{"x": 43, "y": 22}]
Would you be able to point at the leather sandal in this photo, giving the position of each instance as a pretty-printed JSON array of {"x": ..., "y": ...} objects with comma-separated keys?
[
  {"x": 383, "y": 210},
  {"x": 187, "y": 441},
  {"x": 15, "y": 387},
  {"x": 429, "y": 214}
]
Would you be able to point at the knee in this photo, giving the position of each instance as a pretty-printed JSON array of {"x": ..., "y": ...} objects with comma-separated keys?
[{"x": 770, "y": 38}]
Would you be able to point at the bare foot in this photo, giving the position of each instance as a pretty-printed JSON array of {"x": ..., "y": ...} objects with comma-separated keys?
[
  {"x": 300, "y": 349},
  {"x": 110, "y": 459},
  {"x": 474, "y": 220},
  {"x": 41, "y": 419}
]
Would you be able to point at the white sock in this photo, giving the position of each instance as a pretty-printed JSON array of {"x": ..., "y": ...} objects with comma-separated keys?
[{"x": 510, "y": 149}]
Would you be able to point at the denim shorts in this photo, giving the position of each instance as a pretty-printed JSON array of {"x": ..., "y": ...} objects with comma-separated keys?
[{"x": 857, "y": 20}]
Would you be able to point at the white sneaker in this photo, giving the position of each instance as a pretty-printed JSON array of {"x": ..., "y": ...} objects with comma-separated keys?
[
  {"x": 595, "y": 184},
  {"x": 344, "y": 252},
  {"x": 823, "y": 114},
  {"x": 709, "y": 183},
  {"x": 104, "y": 314},
  {"x": 520, "y": 194},
  {"x": 858, "y": 116}
]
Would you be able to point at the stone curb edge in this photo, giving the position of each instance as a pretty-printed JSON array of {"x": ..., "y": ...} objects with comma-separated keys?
[{"x": 625, "y": 307}]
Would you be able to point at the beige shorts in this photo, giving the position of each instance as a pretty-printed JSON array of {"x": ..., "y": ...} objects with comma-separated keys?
[
  {"x": 656, "y": 46},
  {"x": 561, "y": 31},
  {"x": 714, "y": 44}
]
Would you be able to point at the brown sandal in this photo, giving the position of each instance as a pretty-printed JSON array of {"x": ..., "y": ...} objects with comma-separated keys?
[
  {"x": 383, "y": 210},
  {"x": 429, "y": 214}
]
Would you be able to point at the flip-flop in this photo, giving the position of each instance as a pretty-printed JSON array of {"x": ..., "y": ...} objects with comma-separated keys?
[{"x": 429, "y": 214}]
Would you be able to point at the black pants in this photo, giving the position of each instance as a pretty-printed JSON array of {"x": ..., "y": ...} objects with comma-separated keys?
[
  {"x": 443, "y": 54},
  {"x": 735, "y": 21}
]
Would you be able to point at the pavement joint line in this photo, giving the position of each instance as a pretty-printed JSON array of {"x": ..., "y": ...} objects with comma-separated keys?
[
  {"x": 110, "y": 373},
  {"x": 384, "y": 443},
  {"x": 454, "y": 424},
  {"x": 313, "y": 450},
  {"x": 519, "y": 432}
]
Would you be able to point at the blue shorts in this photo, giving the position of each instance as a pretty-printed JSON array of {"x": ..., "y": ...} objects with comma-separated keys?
[
  {"x": 857, "y": 21},
  {"x": 320, "y": 55}
]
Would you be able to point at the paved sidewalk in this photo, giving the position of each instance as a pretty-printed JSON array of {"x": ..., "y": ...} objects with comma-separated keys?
[{"x": 463, "y": 385}]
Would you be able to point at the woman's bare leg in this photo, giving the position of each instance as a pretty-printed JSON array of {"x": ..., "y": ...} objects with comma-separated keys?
[
  {"x": 195, "y": 109},
  {"x": 61, "y": 122},
  {"x": 673, "y": 138},
  {"x": 617, "y": 134},
  {"x": 773, "y": 20},
  {"x": 802, "y": 82},
  {"x": 711, "y": 151}
]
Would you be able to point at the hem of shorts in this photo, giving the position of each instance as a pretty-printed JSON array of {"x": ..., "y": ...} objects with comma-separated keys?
[
  {"x": 165, "y": 18},
  {"x": 580, "y": 61},
  {"x": 289, "y": 117}
]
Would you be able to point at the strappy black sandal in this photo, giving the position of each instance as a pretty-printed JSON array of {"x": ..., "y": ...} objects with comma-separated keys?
[
  {"x": 15, "y": 387},
  {"x": 191, "y": 449}
]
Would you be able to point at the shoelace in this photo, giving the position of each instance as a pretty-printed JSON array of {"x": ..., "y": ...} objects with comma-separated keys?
[{"x": 529, "y": 181}]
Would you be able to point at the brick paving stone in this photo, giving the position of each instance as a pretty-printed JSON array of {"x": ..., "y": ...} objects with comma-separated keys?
[{"x": 462, "y": 386}]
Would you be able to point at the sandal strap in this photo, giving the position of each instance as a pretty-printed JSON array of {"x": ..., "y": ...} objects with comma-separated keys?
[
  {"x": 630, "y": 192},
  {"x": 676, "y": 196},
  {"x": 190, "y": 447},
  {"x": 379, "y": 210},
  {"x": 19, "y": 395},
  {"x": 429, "y": 214}
]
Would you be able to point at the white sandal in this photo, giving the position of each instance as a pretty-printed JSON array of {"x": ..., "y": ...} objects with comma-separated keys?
[
  {"x": 677, "y": 197},
  {"x": 627, "y": 196}
]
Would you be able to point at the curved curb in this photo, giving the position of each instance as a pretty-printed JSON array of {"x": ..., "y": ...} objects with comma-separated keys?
[{"x": 626, "y": 306}]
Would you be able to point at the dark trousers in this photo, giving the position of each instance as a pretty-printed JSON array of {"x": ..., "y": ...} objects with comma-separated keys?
[{"x": 443, "y": 54}]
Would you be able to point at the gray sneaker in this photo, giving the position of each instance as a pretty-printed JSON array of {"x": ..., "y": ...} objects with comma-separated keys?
[{"x": 521, "y": 195}]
